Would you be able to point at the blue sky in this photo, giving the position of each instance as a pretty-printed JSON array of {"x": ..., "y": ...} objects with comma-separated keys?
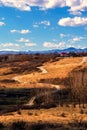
[{"x": 42, "y": 24}]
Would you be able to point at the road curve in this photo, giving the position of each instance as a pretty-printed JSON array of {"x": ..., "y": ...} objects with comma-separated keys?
[{"x": 43, "y": 71}]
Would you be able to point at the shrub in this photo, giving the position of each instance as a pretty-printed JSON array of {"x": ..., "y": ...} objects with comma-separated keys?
[
  {"x": 30, "y": 113},
  {"x": 77, "y": 121},
  {"x": 85, "y": 112},
  {"x": 81, "y": 111},
  {"x": 63, "y": 114},
  {"x": 19, "y": 112},
  {"x": 37, "y": 126},
  {"x": 19, "y": 125},
  {"x": 1, "y": 126}
]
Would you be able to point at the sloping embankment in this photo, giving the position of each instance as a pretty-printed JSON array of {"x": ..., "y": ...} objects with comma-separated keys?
[
  {"x": 79, "y": 76},
  {"x": 78, "y": 84}
]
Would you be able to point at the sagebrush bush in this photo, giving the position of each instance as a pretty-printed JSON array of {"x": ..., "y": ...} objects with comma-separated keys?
[
  {"x": 1, "y": 125},
  {"x": 19, "y": 112},
  {"x": 19, "y": 125},
  {"x": 63, "y": 114},
  {"x": 81, "y": 111}
]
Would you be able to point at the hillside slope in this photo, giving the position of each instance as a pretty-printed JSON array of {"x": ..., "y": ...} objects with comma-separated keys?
[{"x": 56, "y": 71}]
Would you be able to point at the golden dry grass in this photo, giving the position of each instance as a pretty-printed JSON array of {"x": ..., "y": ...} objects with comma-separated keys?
[
  {"x": 52, "y": 115},
  {"x": 58, "y": 69}
]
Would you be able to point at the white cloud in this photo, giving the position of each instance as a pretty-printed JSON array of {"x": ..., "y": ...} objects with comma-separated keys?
[
  {"x": 13, "y": 31},
  {"x": 76, "y": 13},
  {"x": 23, "y": 31},
  {"x": 62, "y": 35},
  {"x": 7, "y": 49},
  {"x": 2, "y": 23},
  {"x": 23, "y": 40},
  {"x": 77, "y": 5},
  {"x": 76, "y": 21},
  {"x": 26, "y": 4},
  {"x": 35, "y": 26},
  {"x": 30, "y": 44},
  {"x": 72, "y": 2},
  {"x": 77, "y": 39},
  {"x": 47, "y": 23},
  {"x": 54, "y": 40},
  {"x": 54, "y": 45},
  {"x": 27, "y": 42},
  {"x": 76, "y": 46},
  {"x": 74, "y": 5},
  {"x": 2, "y": 18},
  {"x": 52, "y": 4},
  {"x": 10, "y": 46},
  {"x": 19, "y": 4}
]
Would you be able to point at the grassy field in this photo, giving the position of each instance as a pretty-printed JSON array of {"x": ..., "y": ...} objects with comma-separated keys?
[
  {"x": 59, "y": 69},
  {"x": 18, "y": 86},
  {"x": 53, "y": 118}
]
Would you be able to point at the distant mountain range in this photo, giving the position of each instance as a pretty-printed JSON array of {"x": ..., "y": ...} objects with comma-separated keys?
[{"x": 71, "y": 49}]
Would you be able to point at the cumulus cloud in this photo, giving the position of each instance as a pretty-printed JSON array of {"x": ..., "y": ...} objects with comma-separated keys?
[
  {"x": 76, "y": 39},
  {"x": 72, "y": 2},
  {"x": 27, "y": 42},
  {"x": 62, "y": 35},
  {"x": 30, "y": 44},
  {"x": 74, "y": 5},
  {"x": 76, "y": 21},
  {"x": 53, "y": 3},
  {"x": 23, "y": 31},
  {"x": 47, "y": 23},
  {"x": 26, "y": 4},
  {"x": 19, "y": 4},
  {"x": 10, "y": 46},
  {"x": 2, "y": 23},
  {"x": 54, "y": 45},
  {"x": 13, "y": 31},
  {"x": 23, "y": 40},
  {"x": 77, "y": 5}
]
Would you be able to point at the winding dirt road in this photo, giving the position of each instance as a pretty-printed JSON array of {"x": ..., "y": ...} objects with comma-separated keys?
[{"x": 43, "y": 71}]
